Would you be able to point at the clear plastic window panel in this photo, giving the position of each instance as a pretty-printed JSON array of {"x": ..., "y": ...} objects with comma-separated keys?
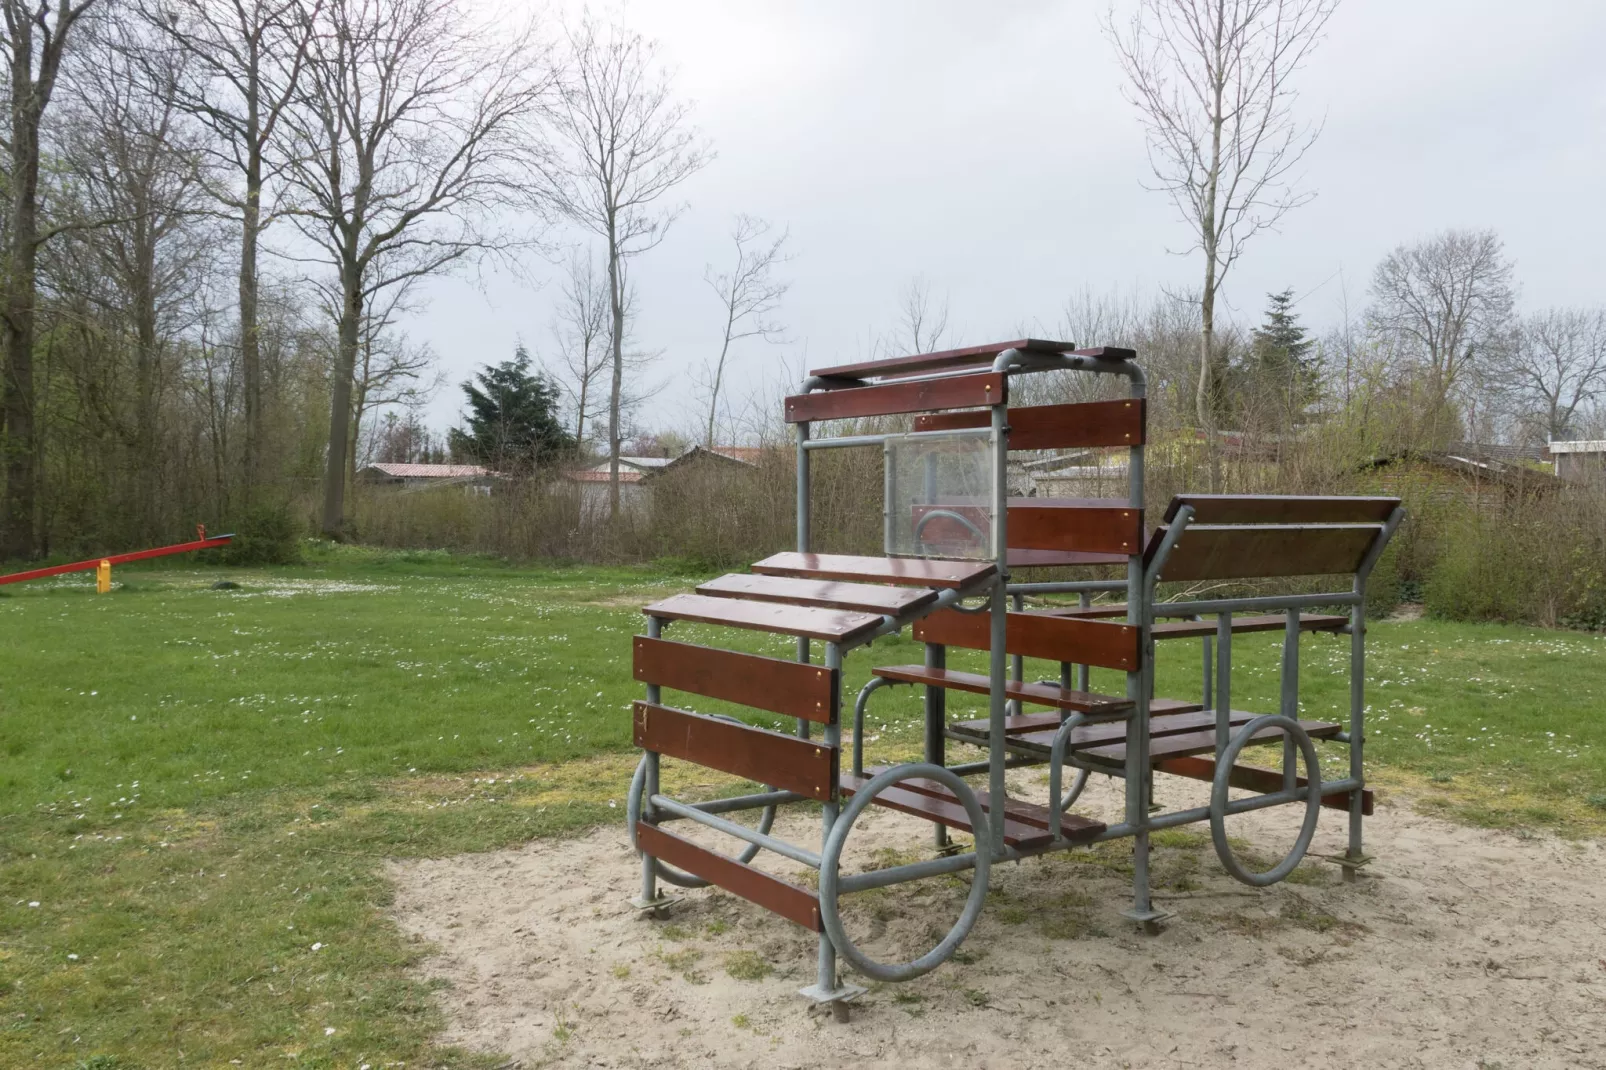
[{"x": 939, "y": 493}]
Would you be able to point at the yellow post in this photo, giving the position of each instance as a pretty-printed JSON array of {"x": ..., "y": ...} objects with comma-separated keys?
[{"x": 103, "y": 577}]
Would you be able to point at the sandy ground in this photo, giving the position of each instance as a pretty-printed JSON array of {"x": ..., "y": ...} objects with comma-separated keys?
[{"x": 1460, "y": 948}]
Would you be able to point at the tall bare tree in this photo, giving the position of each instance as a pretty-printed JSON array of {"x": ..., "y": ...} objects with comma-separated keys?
[
  {"x": 580, "y": 331},
  {"x": 36, "y": 39},
  {"x": 411, "y": 127},
  {"x": 1443, "y": 307},
  {"x": 244, "y": 59},
  {"x": 628, "y": 146},
  {"x": 1214, "y": 83},
  {"x": 749, "y": 293},
  {"x": 1561, "y": 362}
]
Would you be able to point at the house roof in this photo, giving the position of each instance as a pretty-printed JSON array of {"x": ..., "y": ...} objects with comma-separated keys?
[
  {"x": 593, "y": 475},
  {"x": 1583, "y": 445},
  {"x": 745, "y": 456},
  {"x": 429, "y": 471}
]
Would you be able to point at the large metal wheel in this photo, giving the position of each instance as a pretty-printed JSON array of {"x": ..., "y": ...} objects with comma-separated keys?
[
  {"x": 678, "y": 877},
  {"x": 831, "y": 859},
  {"x": 1218, "y": 799}
]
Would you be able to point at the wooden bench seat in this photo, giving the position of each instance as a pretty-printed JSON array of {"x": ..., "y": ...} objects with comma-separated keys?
[
  {"x": 1255, "y": 778},
  {"x": 975, "y": 683},
  {"x": 1188, "y": 743},
  {"x": 824, "y": 594},
  {"x": 902, "y": 571},
  {"x": 826, "y": 625},
  {"x": 1038, "y": 722},
  {"x": 1039, "y": 737},
  {"x": 1025, "y": 824}
]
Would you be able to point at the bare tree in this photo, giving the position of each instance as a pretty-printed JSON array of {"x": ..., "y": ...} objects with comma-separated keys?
[
  {"x": 628, "y": 146},
  {"x": 748, "y": 293},
  {"x": 245, "y": 59},
  {"x": 1213, "y": 81},
  {"x": 580, "y": 331},
  {"x": 922, "y": 320},
  {"x": 36, "y": 36},
  {"x": 1443, "y": 307},
  {"x": 1561, "y": 361},
  {"x": 410, "y": 128}
]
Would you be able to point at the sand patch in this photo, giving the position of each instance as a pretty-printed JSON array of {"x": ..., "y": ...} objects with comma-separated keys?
[{"x": 1463, "y": 948}]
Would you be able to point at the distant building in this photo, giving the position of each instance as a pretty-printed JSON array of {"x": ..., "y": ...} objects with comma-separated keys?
[
  {"x": 594, "y": 482},
  {"x": 419, "y": 476},
  {"x": 1580, "y": 461}
]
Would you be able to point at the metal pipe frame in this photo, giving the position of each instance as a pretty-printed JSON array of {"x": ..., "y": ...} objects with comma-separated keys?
[
  {"x": 731, "y": 828},
  {"x": 851, "y": 441}
]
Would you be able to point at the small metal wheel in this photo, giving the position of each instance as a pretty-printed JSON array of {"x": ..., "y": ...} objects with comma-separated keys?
[
  {"x": 831, "y": 859},
  {"x": 677, "y": 877},
  {"x": 1218, "y": 799}
]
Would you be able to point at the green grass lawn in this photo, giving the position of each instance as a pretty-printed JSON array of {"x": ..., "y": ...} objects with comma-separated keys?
[{"x": 199, "y": 786}]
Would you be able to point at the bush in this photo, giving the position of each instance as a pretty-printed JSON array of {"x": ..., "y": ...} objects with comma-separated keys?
[{"x": 266, "y": 535}]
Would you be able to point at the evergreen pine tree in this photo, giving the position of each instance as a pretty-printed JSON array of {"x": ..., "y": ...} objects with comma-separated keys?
[
  {"x": 512, "y": 417},
  {"x": 1280, "y": 353}
]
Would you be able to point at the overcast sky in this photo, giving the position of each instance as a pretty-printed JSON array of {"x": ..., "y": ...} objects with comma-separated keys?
[{"x": 988, "y": 148}]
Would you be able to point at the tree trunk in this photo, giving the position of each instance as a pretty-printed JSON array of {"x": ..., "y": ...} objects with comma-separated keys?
[
  {"x": 618, "y": 353},
  {"x": 250, "y": 337},
  {"x": 719, "y": 373},
  {"x": 18, "y": 538},
  {"x": 334, "y": 478},
  {"x": 146, "y": 374}
]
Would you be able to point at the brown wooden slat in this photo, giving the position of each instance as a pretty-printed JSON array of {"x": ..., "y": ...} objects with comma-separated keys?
[
  {"x": 1037, "y": 722},
  {"x": 920, "y": 363},
  {"x": 1082, "y": 425},
  {"x": 791, "y": 688},
  {"x": 1031, "y": 635},
  {"x": 826, "y": 625},
  {"x": 976, "y": 683},
  {"x": 1271, "y": 622},
  {"x": 1254, "y": 778},
  {"x": 1234, "y": 553},
  {"x": 1108, "y": 611},
  {"x": 903, "y": 571},
  {"x": 1185, "y": 743},
  {"x": 1096, "y": 530},
  {"x": 1282, "y": 509},
  {"x": 925, "y": 395},
  {"x": 1098, "y": 735},
  {"x": 944, "y": 812},
  {"x": 827, "y": 594},
  {"x": 781, "y": 761},
  {"x": 771, "y": 893},
  {"x": 1074, "y": 826}
]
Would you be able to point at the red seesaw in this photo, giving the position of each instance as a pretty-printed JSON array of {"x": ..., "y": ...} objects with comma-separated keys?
[{"x": 201, "y": 543}]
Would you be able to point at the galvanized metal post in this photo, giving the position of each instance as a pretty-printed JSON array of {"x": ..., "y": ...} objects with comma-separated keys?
[
  {"x": 936, "y": 726},
  {"x": 827, "y": 979},
  {"x": 1206, "y": 688},
  {"x": 1223, "y": 702},
  {"x": 649, "y": 864},
  {"x": 1289, "y": 703},
  {"x": 803, "y": 518},
  {"x": 999, "y": 609},
  {"x": 1085, "y": 600}
]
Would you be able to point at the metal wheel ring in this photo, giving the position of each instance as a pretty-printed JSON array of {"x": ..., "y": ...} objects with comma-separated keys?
[
  {"x": 680, "y": 878},
  {"x": 831, "y": 858},
  {"x": 1218, "y": 800}
]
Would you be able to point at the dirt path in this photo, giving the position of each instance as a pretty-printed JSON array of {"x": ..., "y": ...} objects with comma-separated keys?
[{"x": 1462, "y": 948}]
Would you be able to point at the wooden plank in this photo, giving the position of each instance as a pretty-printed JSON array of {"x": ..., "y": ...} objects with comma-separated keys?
[
  {"x": 826, "y": 625},
  {"x": 1098, "y": 735},
  {"x": 791, "y": 688},
  {"x": 1037, "y": 722},
  {"x": 1061, "y": 559},
  {"x": 1235, "y": 553},
  {"x": 1102, "y": 530},
  {"x": 1254, "y": 778},
  {"x": 948, "y": 359},
  {"x": 784, "y": 762},
  {"x": 976, "y": 683},
  {"x": 1081, "y": 425},
  {"x": 826, "y": 594},
  {"x": 1271, "y": 622},
  {"x": 1074, "y": 826},
  {"x": 904, "y": 571},
  {"x": 1282, "y": 509},
  {"x": 944, "y": 812},
  {"x": 771, "y": 893},
  {"x": 1177, "y": 746},
  {"x": 1032, "y": 635},
  {"x": 924, "y": 395}
]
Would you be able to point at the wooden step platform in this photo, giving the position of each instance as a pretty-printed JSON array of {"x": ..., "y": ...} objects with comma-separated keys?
[
  {"x": 826, "y": 625},
  {"x": 1040, "y": 738},
  {"x": 1025, "y": 824},
  {"x": 975, "y": 683},
  {"x": 1188, "y": 743},
  {"x": 1255, "y": 778},
  {"x": 786, "y": 899},
  {"x": 824, "y": 594},
  {"x": 1050, "y": 722},
  {"x": 902, "y": 571}
]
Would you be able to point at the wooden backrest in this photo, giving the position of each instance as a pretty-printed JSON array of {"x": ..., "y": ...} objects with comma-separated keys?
[
  {"x": 781, "y": 761},
  {"x": 791, "y": 688},
  {"x": 1056, "y": 427},
  {"x": 922, "y": 395},
  {"x": 1282, "y": 509},
  {"x": 1090, "y": 525},
  {"x": 1242, "y": 552},
  {"x": 1031, "y": 635}
]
